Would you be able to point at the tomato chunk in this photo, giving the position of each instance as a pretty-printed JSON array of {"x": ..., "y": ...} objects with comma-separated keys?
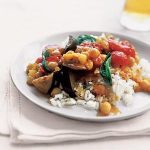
[
  {"x": 127, "y": 43},
  {"x": 122, "y": 46},
  {"x": 98, "y": 61},
  {"x": 113, "y": 45},
  {"x": 93, "y": 45},
  {"x": 39, "y": 60},
  {"x": 130, "y": 50},
  {"x": 55, "y": 58},
  {"x": 41, "y": 70},
  {"x": 119, "y": 59}
]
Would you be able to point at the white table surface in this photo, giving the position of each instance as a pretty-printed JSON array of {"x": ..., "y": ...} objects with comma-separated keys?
[{"x": 23, "y": 21}]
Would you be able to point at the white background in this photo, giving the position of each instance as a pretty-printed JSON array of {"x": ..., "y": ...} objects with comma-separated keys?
[{"x": 23, "y": 21}]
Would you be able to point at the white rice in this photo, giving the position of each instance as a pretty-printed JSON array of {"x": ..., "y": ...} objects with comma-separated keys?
[
  {"x": 144, "y": 65},
  {"x": 123, "y": 89}
]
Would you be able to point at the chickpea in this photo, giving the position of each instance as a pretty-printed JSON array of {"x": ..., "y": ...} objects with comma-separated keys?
[
  {"x": 34, "y": 66},
  {"x": 85, "y": 53},
  {"x": 55, "y": 91},
  {"x": 89, "y": 64},
  {"x": 70, "y": 52},
  {"x": 103, "y": 42},
  {"x": 50, "y": 50},
  {"x": 56, "y": 52},
  {"x": 96, "y": 71},
  {"x": 29, "y": 67},
  {"x": 137, "y": 59},
  {"x": 103, "y": 56},
  {"x": 145, "y": 85},
  {"x": 132, "y": 61},
  {"x": 68, "y": 56},
  {"x": 32, "y": 73},
  {"x": 29, "y": 80},
  {"x": 82, "y": 58},
  {"x": 76, "y": 55},
  {"x": 52, "y": 65},
  {"x": 105, "y": 108},
  {"x": 99, "y": 89},
  {"x": 57, "y": 69},
  {"x": 137, "y": 88},
  {"x": 94, "y": 53}
]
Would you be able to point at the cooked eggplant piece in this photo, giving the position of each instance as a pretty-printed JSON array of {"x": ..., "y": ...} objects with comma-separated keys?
[
  {"x": 57, "y": 77},
  {"x": 68, "y": 81},
  {"x": 43, "y": 84},
  {"x": 75, "y": 67},
  {"x": 71, "y": 44}
]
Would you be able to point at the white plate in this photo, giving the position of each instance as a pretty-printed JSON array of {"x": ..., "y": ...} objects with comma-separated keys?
[{"x": 32, "y": 51}]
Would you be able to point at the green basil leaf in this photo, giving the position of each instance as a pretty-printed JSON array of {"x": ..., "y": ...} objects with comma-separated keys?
[
  {"x": 45, "y": 54},
  {"x": 45, "y": 65},
  {"x": 83, "y": 38},
  {"x": 105, "y": 70}
]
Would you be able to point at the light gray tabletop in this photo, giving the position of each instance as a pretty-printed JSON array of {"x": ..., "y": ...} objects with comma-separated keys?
[{"x": 22, "y": 22}]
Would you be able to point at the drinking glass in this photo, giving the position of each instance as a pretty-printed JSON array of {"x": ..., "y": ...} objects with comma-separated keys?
[{"x": 136, "y": 15}]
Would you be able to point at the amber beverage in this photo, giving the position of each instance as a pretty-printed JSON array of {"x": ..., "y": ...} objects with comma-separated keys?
[{"x": 136, "y": 15}]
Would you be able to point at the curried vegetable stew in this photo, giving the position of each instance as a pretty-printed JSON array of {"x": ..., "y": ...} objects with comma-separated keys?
[{"x": 91, "y": 71}]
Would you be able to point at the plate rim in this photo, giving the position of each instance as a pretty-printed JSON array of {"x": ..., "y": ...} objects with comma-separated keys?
[{"x": 140, "y": 111}]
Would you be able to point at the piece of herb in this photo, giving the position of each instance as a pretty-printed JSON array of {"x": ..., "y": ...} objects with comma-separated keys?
[
  {"x": 105, "y": 70},
  {"x": 83, "y": 38},
  {"x": 45, "y": 54},
  {"x": 45, "y": 66}
]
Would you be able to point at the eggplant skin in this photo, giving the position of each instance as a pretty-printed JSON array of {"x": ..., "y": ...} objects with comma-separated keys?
[
  {"x": 72, "y": 44},
  {"x": 64, "y": 77},
  {"x": 43, "y": 84},
  {"x": 67, "y": 82},
  {"x": 57, "y": 77}
]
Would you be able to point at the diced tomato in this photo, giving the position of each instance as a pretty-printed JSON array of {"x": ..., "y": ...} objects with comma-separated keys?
[
  {"x": 39, "y": 60},
  {"x": 113, "y": 45},
  {"x": 119, "y": 59},
  {"x": 131, "y": 49},
  {"x": 122, "y": 47},
  {"x": 53, "y": 49},
  {"x": 93, "y": 45},
  {"x": 127, "y": 43},
  {"x": 41, "y": 70},
  {"x": 55, "y": 58},
  {"x": 98, "y": 61}
]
